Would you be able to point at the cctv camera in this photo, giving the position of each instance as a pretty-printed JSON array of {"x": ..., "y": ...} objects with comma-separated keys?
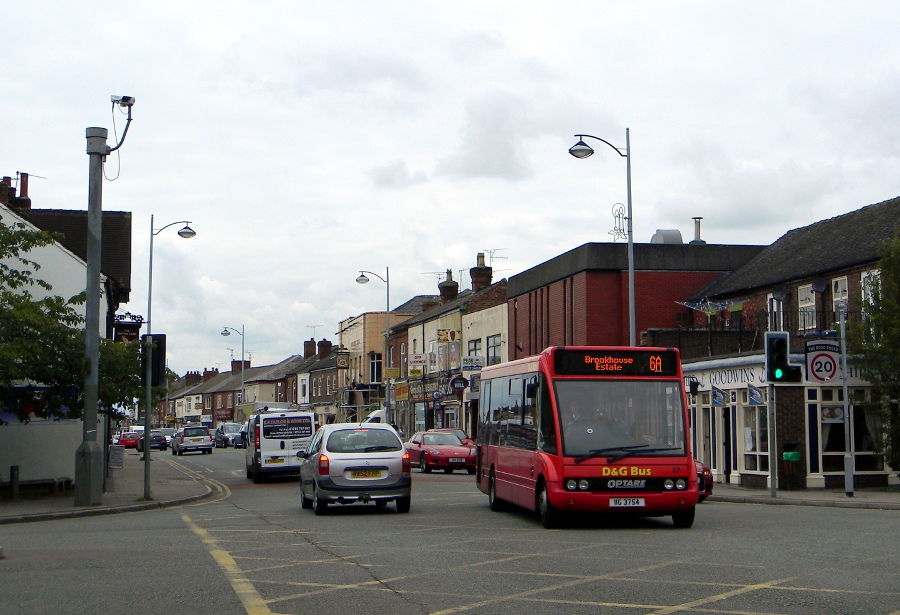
[{"x": 123, "y": 101}]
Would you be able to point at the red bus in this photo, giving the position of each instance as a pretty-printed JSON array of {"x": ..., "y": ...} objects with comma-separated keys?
[{"x": 588, "y": 429}]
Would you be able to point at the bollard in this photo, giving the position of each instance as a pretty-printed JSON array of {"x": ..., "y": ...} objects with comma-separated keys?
[{"x": 14, "y": 482}]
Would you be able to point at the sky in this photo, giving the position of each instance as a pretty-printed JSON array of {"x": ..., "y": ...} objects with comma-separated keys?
[{"x": 307, "y": 141}]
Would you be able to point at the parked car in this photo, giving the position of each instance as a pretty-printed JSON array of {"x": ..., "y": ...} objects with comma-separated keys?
[
  {"x": 459, "y": 433},
  {"x": 192, "y": 438},
  {"x": 346, "y": 463},
  {"x": 168, "y": 432},
  {"x": 440, "y": 450},
  {"x": 705, "y": 478},
  {"x": 228, "y": 434},
  {"x": 128, "y": 439},
  {"x": 157, "y": 441}
]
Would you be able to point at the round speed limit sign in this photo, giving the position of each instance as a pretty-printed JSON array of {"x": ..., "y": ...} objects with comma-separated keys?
[{"x": 823, "y": 366}]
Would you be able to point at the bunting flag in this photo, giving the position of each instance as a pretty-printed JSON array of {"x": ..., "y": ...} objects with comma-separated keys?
[
  {"x": 718, "y": 397},
  {"x": 755, "y": 395}
]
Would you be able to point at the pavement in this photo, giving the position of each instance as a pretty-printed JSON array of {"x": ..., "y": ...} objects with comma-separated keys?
[{"x": 172, "y": 484}]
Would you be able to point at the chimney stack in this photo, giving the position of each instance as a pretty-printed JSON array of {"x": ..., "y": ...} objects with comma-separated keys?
[
  {"x": 448, "y": 288},
  {"x": 309, "y": 348},
  {"x": 697, "y": 239},
  {"x": 7, "y": 192},
  {"x": 236, "y": 366},
  {"x": 210, "y": 373},
  {"x": 23, "y": 203},
  {"x": 481, "y": 275},
  {"x": 324, "y": 348}
]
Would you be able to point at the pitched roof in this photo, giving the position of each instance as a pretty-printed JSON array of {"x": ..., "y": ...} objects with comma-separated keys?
[
  {"x": 115, "y": 252},
  {"x": 842, "y": 242}
]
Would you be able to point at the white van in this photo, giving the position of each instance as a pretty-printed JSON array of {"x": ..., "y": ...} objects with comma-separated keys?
[{"x": 273, "y": 438}]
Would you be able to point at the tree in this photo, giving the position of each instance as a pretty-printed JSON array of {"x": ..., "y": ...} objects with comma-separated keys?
[
  {"x": 877, "y": 339},
  {"x": 42, "y": 360}
]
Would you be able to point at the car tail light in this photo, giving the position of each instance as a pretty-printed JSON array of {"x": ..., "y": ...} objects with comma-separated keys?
[
  {"x": 407, "y": 466},
  {"x": 182, "y": 437},
  {"x": 323, "y": 465},
  {"x": 256, "y": 437}
]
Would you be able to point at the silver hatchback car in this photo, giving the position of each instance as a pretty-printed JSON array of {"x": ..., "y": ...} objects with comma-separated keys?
[{"x": 352, "y": 462}]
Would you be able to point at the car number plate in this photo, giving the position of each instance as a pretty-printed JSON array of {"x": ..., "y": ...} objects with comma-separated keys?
[
  {"x": 195, "y": 440},
  {"x": 365, "y": 473},
  {"x": 625, "y": 502},
  {"x": 275, "y": 460},
  {"x": 457, "y": 460}
]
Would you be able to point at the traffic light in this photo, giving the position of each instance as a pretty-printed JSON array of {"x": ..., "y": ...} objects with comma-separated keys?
[
  {"x": 157, "y": 359},
  {"x": 778, "y": 366}
]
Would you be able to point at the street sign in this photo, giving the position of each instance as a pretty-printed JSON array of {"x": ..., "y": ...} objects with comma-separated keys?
[
  {"x": 418, "y": 359},
  {"x": 392, "y": 372},
  {"x": 822, "y": 359}
]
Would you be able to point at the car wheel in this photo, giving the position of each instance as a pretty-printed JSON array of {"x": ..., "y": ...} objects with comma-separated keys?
[
  {"x": 305, "y": 502},
  {"x": 257, "y": 475},
  {"x": 249, "y": 471},
  {"x": 448, "y": 470},
  {"x": 470, "y": 470},
  {"x": 403, "y": 504},
  {"x": 549, "y": 514},
  {"x": 684, "y": 519},
  {"x": 173, "y": 451},
  {"x": 320, "y": 506},
  {"x": 380, "y": 503},
  {"x": 495, "y": 504},
  {"x": 423, "y": 465},
  {"x": 180, "y": 452}
]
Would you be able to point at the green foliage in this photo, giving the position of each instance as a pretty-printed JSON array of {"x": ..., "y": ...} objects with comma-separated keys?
[
  {"x": 877, "y": 339},
  {"x": 42, "y": 345}
]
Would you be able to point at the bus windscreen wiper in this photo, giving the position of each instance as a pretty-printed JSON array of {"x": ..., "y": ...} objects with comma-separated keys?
[
  {"x": 624, "y": 453},
  {"x": 600, "y": 452}
]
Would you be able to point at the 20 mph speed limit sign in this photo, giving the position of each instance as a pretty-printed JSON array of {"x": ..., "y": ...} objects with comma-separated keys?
[{"x": 822, "y": 360}]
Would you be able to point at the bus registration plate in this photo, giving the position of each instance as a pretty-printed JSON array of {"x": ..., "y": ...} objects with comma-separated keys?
[
  {"x": 626, "y": 502},
  {"x": 457, "y": 460}
]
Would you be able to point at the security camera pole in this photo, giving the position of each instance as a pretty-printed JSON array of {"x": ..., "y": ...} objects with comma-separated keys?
[{"x": 89, "y": 455}]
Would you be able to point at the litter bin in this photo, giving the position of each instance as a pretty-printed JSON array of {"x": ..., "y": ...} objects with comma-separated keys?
[{"x": 791, "y": 461}]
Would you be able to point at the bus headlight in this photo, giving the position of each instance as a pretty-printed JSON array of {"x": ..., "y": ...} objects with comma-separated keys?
[
  {"x": 669, "y": 484},
  {"x": 571, "y": 485},
  {"x": 583, "y": 484},
  {"x": 680, "y": 484}
]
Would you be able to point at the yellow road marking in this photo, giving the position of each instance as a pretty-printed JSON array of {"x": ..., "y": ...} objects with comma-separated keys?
[{"x": 253, "y": 603}]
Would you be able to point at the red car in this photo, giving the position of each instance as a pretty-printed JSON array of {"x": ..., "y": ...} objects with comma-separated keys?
[
  {"x": 459, "y": 433},
  {"x": 129, "y": 439},
  {"x": 705, "y": 477},
  {"x": 440, "y": 450}
]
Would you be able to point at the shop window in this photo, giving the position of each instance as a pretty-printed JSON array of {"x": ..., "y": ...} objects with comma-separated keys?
[{"x": 756, "y": 439}]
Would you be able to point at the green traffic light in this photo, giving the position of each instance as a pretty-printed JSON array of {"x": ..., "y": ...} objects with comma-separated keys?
[{"x": 779, "y": 373}]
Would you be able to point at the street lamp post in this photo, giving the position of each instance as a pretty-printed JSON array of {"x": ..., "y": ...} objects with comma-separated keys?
[
  {"x": 583, "y": 150},
  {"x": 226, "y": 332},
  {"x": 185, "y": 232},
  {"x": 386, "y": 361}
]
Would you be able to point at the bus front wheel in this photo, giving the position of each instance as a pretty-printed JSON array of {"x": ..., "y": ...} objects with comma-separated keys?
[
  {"x": 684, "y": 519},
  {"x": 549, "y": 515}
]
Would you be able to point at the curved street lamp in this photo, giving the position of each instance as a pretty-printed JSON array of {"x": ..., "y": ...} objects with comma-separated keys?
[
  {"x": 386, "y": 361},
  {"x": 186, "y": 233},
  {"x": 583, "y": 150},
  {"x": 226, "y": 332}
]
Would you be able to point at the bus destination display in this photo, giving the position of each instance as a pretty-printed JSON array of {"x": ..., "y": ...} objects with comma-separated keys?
[{"x": 570, "y": 362}]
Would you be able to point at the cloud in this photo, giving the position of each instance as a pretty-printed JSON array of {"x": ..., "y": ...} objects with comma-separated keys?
[{"x": 396, "y": 174}]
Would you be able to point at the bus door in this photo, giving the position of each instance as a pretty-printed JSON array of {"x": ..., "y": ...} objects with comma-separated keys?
[{"x": 517, "y": 440}]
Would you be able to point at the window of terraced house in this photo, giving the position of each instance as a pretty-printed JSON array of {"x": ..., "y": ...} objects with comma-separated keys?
[
  {"x": 806, "y": 303},
  {"x": 493, "y": 349}
]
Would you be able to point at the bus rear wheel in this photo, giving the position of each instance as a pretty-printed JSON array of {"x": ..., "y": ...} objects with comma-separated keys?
[
  {"x": 548, "y": 513},
  {"x": 685, "y": 518}
]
